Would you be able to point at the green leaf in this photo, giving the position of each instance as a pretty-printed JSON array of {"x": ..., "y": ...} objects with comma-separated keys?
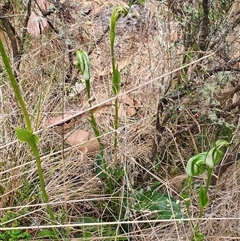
[
  {"x": 203, "y": 198},
  {"x": 118, "y": 173},
  {"x": 165, "y": 207},
  {"x": 196, "y": 165},
  {"x": 198, "y": 236},
  {"x": 116, "y": 84},
  {"x": 100, "y": 167},
  {"x": 24, "y": 236},
  {"x": 87, "y": 219},
  {"x": 47, "y": 233},
  {"x": 26, "y": 136}
]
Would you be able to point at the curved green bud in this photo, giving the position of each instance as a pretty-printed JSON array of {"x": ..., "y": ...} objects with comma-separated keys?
[
  {"x": 215, "y": 155},
  {"x": 196, "y": 165},
  {"x": 83, "y": 64},
  {"x": 118, "y": 11}
]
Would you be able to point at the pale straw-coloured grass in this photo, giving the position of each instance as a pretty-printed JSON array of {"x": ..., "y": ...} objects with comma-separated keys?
[{"x": 73, "y": 187}]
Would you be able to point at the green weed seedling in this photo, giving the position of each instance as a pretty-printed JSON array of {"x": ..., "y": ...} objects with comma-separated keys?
[
  {"x": 48, "y": 234},
  {"x": 27, "y": 135},
  {"x": 89, "y": 232},
  {"x": 12, "y": 235},
  {"x": 196, "y": 166}
]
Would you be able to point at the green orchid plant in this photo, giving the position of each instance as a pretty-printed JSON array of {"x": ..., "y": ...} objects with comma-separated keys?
[
  {"x": 118, "y": 11},
  {"x": 196, "y": 166},
  {"x": 27, "y": 135}
]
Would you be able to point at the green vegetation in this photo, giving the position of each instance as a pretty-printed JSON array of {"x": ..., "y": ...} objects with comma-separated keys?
[
  {"x": 116, "y": 81},
  {"x": 27, "y": 135},
  {"x": 196, "y": 166},
  {"x": 13, "y": 235},
  {"x": 119, "y": 122}
]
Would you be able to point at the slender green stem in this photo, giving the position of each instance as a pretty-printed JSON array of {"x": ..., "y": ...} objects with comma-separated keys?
[
  {"x": 115, "y": 90},
  {"x": 118, "y": 11},
  {"x": 196, "y": 166},
  {"x": 188, "y": 197},
  {"x": 41, "y": 180},
  {"x": 15, "y": 87},
  {"x": 97, "y": 134},
  {"x": 83, "y": 66},
  {"x": 33, "y": 142},
  {"x": 116, "y": 124},
  {"x": 209, "y": 175}
]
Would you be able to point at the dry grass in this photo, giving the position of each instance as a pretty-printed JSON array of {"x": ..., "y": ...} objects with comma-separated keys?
[{"x": 145, "y": 50}]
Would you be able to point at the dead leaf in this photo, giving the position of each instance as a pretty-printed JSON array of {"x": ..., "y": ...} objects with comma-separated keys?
[
  {"x": 91, "y": 147},
  {"x": 79, "y": 137},
  {"x": 128, "y": 106}
]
